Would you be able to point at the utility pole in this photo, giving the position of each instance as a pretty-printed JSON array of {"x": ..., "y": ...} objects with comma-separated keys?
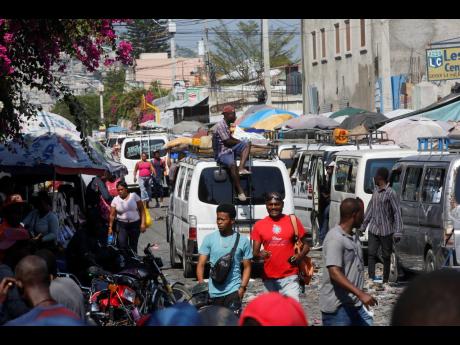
[
  {"x": 266, "y": 55},
  {"x": 305, "y": 80},
  {"x": 206, "y": 52},
  {"x": 172, "y": 31}
]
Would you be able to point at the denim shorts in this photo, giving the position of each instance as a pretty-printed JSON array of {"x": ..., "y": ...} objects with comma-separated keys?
[
  {"x": 228, "y": 159},
  {"x": 347, "y": 315},
  {"x": 288, "y": 286}
]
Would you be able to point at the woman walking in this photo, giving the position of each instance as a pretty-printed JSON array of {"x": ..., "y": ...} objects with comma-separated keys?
[
  {"x": 146, "y": 170},
  {"x": 129, "y": 212},
  {"x": 157, "y": 180}
]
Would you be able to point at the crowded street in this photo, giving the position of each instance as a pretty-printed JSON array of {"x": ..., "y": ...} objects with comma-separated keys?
[{"x": 229, "y": 172}]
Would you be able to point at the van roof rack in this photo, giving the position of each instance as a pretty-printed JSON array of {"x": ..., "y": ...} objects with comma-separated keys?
[
  {"x": 197, "y": 152},
  {"x": 440, "y": 145}
]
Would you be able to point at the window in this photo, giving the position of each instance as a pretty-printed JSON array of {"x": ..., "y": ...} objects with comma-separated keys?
[
  {"x": 287, "y": 157},
  {"x": 347, "y": 35},
  {"x": 313, "y": 43},
  {"x": 372, "y": 166},
  {"x": 345, "y": 175},
  {"x": 362, "y": 25},
  {"x": 395, "y": 180},
  {"x": 263, "y": 181},
  {"x": 411, "y": 189},
  {"x": 294, "y": 166},
  {"x": 433, "y": 182},
  {"x": 181, "y": 182},
  {"x": 337, "y": 39},
  {"x": 187, "y": 184},
  {"x": 133, "y": 149},
  {"x": 303, "y": 172},
  {"x": 323, "y": 43}
]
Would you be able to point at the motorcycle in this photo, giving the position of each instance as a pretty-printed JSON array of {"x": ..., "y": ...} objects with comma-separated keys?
[{"x": 127, "y": 297}]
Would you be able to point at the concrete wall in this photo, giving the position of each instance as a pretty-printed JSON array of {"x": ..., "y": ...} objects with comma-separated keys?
[{"x": 343, "y": 77}]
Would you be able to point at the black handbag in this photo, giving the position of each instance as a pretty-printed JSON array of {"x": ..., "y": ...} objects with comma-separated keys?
[{"x": 219, "y": 272}]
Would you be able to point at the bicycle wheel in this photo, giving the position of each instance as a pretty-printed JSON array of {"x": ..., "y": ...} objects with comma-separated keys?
[{"x": 162, "y": 299}]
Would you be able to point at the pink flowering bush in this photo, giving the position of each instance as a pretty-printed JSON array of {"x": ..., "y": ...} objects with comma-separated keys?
[{"x": 30, "y": 48}]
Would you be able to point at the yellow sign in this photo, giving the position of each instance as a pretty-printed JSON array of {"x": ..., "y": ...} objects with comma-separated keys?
[{"x": 443, "y": 63}]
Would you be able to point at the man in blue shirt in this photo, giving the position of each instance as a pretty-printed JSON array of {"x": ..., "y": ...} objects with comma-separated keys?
[{"x": 217, "y": 244}]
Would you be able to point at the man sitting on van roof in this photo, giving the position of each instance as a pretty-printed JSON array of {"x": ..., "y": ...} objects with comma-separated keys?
[{"x": 226, "y": 148}]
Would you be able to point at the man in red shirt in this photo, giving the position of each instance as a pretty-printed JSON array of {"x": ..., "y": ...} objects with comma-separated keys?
[{"x": 276, "y": 234}]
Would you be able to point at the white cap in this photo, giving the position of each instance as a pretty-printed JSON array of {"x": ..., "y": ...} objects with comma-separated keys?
[{"x": 331, "y": 164}]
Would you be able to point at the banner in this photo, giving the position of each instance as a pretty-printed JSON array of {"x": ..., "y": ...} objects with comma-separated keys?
[{"x": 443, "y": 63}]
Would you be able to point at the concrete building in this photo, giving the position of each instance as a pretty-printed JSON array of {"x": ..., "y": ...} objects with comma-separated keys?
[
  {"x": 153, "y": 67},
  {"x": 374, "y": 64}
]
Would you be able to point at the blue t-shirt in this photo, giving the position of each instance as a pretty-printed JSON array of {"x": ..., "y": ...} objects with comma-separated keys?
[
  {"x": 54, "y": 315},
  {"x": 215, "y": 246}
]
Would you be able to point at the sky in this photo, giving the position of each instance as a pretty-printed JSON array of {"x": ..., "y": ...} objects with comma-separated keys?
[{"x": 190, "y": 31}]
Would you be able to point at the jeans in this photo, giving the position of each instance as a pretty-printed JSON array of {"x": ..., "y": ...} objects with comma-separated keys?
[
  {"x": 288, "y": 286},
  {"x": 144, "y": 186},
  {"x": 374, "y": 242},
  {"x": 228, "y": 159},
  {"x": 128, "y": 234},
  {"x": 348, "y": 315},
  {"x": 231, "y": 301},
  {"x": 325, "y": 225}
]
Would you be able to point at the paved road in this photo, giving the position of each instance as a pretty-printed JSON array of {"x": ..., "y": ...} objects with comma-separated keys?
[{"x": 157, "y": 234}]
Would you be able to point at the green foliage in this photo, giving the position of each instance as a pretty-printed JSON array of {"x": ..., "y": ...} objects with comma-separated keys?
[
  {"x": 146, "y": 36},
  {"x": 241, "y": 51},
  {"x": 185, "y": 52}
]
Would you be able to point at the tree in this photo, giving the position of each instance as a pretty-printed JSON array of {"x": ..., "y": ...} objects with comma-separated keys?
[
  {"x": 185, "y": 52},
  {"x": 239, "y": 53},
  {"x": 32, "y": 51},
  {"x": 148, "y": 36}
]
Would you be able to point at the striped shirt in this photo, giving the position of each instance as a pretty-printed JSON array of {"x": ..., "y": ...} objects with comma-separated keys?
[
  {"x": 221, "y": 133},
  {"x": 383, "y": 214}
]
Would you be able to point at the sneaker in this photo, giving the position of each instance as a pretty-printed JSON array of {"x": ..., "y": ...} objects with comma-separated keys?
[
  {"x": 244, "y": 172},
  {"x": 317, "y": 247},
  {"x": 241, "y": 197}
]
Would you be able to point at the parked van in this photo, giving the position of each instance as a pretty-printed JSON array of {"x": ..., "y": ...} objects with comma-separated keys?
[
  {"x": 429, "y": 190},
  {"x": 201, "y": 186},
  {"x": 134, "y": 145},
  {"x": 353, "y": 177},
  {"x": 308, "y": 174}
]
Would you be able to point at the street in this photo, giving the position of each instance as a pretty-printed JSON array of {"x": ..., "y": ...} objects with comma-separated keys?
[{"x": 310, "y": 300}]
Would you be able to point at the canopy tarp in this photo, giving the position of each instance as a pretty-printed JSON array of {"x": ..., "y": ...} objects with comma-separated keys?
[
  {"x": 309, "y": 121},
  {"x": 271, "y": 122},
  {"x": 188, "y": 126},
  {"x": 349, "y": 111},
  {"x": 251, "y": 120},
  {"x": 450, "y": 112},
  {"x": 367, "y": 119}
]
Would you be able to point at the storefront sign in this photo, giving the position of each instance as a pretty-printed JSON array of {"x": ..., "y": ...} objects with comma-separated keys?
[{"x": 443, "y": 63}]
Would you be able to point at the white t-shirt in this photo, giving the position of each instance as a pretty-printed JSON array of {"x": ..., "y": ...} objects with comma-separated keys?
[{"x": 127, "y": 208}]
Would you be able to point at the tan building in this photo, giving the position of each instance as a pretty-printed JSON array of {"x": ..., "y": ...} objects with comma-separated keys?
[
  {"x": 372, "y": 63},
  {"x": 153, "y": 67}
]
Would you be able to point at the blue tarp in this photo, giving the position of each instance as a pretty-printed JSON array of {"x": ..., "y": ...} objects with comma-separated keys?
[
  {"x": 396, "y": 83},
  {"x": 450, "y": 112},
  {"x": 261, "y": 115},
  {"x": 116, "y": 129}
]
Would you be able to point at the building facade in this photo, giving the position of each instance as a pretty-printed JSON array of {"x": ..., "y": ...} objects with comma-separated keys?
[{"x": 373, "y": 64}]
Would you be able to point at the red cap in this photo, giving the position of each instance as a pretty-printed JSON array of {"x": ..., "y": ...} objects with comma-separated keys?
[
  {"x": 274, "y": 309},
  {"x": 228, "y": 109},
  {"x": 13, "y": 199}
]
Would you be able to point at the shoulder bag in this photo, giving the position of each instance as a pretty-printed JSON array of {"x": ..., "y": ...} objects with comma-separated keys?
[
  {"x": 219, "y": 272},
  {"x": 306, "y": 267}
]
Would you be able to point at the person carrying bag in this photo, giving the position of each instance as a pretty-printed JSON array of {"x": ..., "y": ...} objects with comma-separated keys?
[{"x": 306, "y": 266}]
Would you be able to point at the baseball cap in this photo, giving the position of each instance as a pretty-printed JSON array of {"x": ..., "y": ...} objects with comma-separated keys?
[
  {"x": 13, "y": 199},
  {"x": 331, "y": 164},
  {"x": 180, "y": 314},
  {"x": 275, "y": 309},
  {"x": 228, "y": 109}
]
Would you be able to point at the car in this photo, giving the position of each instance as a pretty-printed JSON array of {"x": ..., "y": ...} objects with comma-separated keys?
[
  {"x": 201, "y": 185},
  {"x": 132, "y": 147},
  {"x": 428, "y": 187}
]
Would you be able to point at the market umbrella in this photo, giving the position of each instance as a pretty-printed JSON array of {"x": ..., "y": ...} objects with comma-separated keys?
[
  {"x": 46, "y": 122},
  {"x": 366, "y": 119},
  {"x": 406, "y": 131},
  {"x": 187, "y": 126},
  {"x": 252, "y": 119},
  {"x": 252, "y": 110},
  {"x": 116, "y": 129},
  {"x": 349, "y": 111},
  {"x": 271, "y": 122},
  {"x": 309, "y": 121}
]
